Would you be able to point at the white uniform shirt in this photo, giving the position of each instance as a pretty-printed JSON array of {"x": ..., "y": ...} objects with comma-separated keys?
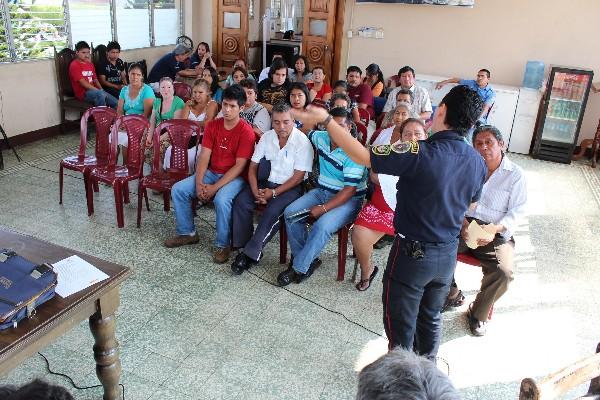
[
  {"x": 421, "y": 102},
  {"x": 297, "y": 154},
  {"x": 503, "y": 197}
]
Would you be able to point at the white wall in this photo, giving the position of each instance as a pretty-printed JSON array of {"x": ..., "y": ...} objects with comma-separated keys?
[
  {"x": 29, "y": 93},
  {"x": 500, "y": 35}
]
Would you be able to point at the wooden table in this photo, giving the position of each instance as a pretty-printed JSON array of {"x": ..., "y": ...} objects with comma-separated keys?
[{"x": 98, "y": 303}]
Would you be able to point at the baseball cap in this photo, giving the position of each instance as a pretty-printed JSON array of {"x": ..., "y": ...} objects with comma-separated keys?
[{"x": 181, "y": 49}]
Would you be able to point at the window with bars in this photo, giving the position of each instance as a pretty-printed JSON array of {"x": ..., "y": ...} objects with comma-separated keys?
[{"x": 29, "y": 28}]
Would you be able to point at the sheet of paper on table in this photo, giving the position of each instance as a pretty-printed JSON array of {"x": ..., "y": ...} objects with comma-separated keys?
[
  {"x": 75, "y": 274},
  {"x": 476, "y": 232}
]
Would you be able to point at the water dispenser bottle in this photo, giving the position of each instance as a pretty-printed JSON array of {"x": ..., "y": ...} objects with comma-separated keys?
[{"x": 534, "y": 74}]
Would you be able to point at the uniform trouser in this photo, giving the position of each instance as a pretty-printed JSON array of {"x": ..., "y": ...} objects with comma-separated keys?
[
  {"x": 497, "y": 265},
  {"x": 244, "y": 235},
  {"x": 414, "y": 291}
]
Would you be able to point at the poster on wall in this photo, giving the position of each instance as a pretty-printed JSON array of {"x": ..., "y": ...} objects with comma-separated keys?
[{"x": 463, "y": 3}]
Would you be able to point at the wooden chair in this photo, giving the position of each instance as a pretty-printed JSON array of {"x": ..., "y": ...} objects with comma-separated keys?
[
  {"x": 595, "y": 143},
  {"x": 66, "y": 98},
  {"x": 560, "y": 382}
]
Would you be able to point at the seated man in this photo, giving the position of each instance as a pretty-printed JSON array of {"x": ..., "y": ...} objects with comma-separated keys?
[
  {"x": 84, "y": 81},
  {"x": 481, "y": 86},
  {"x": 111, "y": 70},
  {"x": 421, "y": 102},
  {"x": 401, "y": 374},
  {"x": 501, "y": 205},
  {"x": 280, "y": 163},
  {"x": 275, "y": 88},
  {"x": 336, "y": 201},
  {"x": 227, "y": 146},
  {"x": 358, "y": 91},
  {"x": 253, "y": 112},
  {"x": 171, "y": 65}
]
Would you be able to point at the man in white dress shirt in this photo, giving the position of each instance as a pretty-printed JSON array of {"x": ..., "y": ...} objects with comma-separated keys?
[
  {"x": 501, "y": 205},
  {"x": 421, "y": 102},
  {"x": 281, "y": 161}
]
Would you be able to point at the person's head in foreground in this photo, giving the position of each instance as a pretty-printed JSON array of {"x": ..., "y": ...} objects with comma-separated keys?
[
  {"x": 403, "y": 375},
  {"x": 35, "y": 390},
  {"x": 458, "y": 110}
]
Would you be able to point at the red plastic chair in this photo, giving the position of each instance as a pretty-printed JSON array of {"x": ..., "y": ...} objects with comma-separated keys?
[
  {"x": 466, "y": 258},
  {"x": 103, "y": 118},
  {"x": 182, "y": 90},
  {"x": 180, "y": 133},
  {"x": 362, "y": 129},
  {"x": 343, "y": 234},
  {"x": 364, "y": 115},
  {"x": 118, "y": 176}
]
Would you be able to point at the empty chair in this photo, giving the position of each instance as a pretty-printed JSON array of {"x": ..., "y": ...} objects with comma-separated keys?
[
  {"x": 103, "y": 118},
  {"x": 180, "y": 132},
  {"x": 118, "y": 176}
]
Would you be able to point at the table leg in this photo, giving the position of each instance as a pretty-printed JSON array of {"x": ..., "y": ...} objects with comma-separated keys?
[{"x": 106, "y": 348}]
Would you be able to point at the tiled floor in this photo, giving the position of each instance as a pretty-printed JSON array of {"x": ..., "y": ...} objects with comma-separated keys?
[{"x": 188, "y": 329}]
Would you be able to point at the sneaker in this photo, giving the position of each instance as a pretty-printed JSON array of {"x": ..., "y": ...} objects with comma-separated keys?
[
  {"x": 182, "y": 240},
  {"x": 221, "y": 254},
  {"x": 478, "y": 328}
]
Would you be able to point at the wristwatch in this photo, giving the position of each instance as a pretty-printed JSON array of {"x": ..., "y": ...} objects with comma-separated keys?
[
  {"x": 274, "y": 193},
  {"x": 323, "y": 125}
]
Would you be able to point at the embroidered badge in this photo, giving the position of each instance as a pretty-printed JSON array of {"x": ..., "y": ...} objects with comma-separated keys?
[
  {"x": 381, "y": 150},
  {"x": 401, "y": 147}
]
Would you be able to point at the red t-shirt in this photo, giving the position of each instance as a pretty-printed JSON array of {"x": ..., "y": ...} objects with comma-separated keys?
[
  {"x": 362, "y": 94},
  {"x": 78, "y": 70},
  {"x": 324, "y": 90},
  {"x": 227, "y": 145}
]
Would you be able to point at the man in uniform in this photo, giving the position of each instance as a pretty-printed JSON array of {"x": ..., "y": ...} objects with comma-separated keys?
[{"x": 438, "y": 179}]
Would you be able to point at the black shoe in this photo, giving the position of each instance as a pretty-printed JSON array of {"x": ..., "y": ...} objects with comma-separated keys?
[
  {"x": 241, "y": 263},
  {"x": 286, "y": 277},
  {"x": 313, "y": 265}
]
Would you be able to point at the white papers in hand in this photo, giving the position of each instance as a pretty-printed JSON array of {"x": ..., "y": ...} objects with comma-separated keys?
[
  {"x": 388, "y": 188},
  {"x": 476, "y": 232},
  {"x": 75, "y": 274}
]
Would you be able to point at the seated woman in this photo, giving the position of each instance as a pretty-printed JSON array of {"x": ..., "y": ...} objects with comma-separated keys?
[
  {"x": 242, "y": 64},
  {"x": 299, "y": 99},
  {"x": 202, "y": 58},
  {"x": 211, "y": 76},
  {"x": 201, "y": 109},
  {"x": 237, "y": 75},
  {"x": 301, "y": 71},
  {"x": 135, "y": 98},
  {"x": 169, "y": 107},
  {"x": 319, "y": 90},
  {"x": 374, "y": 79},
  {"x": 253, "y": 112},
  {"x": 376, "y": 217}
]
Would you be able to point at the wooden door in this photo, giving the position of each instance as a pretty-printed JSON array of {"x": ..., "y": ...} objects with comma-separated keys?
[
  {"x": 230, "y": 31},
  {"x": 319, "y": 34}
]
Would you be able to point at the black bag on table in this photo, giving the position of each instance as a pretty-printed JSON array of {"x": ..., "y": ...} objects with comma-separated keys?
[{"x": 23, "y": 287}]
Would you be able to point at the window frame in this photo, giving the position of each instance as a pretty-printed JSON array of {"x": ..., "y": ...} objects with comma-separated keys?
[{"x": 5, "y": 20}]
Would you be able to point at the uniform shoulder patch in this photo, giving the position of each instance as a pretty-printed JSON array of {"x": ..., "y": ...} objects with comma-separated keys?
[
  {"x": 405, "y": 147},
  {"x": 381, "y": 150}
]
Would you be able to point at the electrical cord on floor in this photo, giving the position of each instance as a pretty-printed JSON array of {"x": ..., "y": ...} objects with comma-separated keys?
[
  {"x": 71, "y": 381},
  {"x": 270, "y": 283},
  {"x": 133, "y": 193}
]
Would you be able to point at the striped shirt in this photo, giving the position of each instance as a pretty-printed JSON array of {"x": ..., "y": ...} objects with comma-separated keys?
[
  {"x": 503, "y": 198},
  {"x": 336, "y": 169}
]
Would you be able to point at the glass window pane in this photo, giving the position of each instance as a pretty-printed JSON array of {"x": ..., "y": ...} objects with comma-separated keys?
[
  {"x": 133, "y": 24},
  {"x": 4, "y": 51},
  {"x": 90, "y": 21},
  {"x": 166, "y": 22},
  {"x": 37, "y": 25}
]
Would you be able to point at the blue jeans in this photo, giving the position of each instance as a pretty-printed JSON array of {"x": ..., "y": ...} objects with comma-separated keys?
[
  {"x": 99, "y": 97},
  {"x": 307, "y": 244},
  {"x": 184, "y": 191},
  {"x": 414, "y": 291}
]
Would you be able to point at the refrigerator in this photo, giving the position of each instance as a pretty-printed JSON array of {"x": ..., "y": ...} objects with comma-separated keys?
[{"x": 561, "y": 113}]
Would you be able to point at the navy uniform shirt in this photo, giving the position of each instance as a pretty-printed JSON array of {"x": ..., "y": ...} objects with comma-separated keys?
[
  {"x": 167, "y": 65},
  {"x": 438, "y": 179}
]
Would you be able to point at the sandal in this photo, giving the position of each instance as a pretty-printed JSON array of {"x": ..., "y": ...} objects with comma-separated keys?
[
  {"x": 359, "y": 285},
  {"x": 453, "y": 302}
]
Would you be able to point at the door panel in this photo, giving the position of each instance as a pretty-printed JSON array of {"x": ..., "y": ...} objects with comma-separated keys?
[
  {"x": 319, "y": 33},
  {"x": 232, "y": 31}
]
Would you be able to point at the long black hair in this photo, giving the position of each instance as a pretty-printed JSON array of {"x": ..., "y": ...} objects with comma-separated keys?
[
  {"x": 373, "y": 69},
  {"x": 214, "y": 86},
  {"x": 306, "y": 66},
  {"x": 299, "y": 86}
]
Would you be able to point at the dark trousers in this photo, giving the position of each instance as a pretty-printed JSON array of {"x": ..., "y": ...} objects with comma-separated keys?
[
  {"x": 244, "y": 235},
  {"x": 414, "y": 291}
]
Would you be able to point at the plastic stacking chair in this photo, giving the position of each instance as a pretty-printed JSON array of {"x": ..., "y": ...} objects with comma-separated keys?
[
  {"x": 364, "y": 116},
  {"x": 103, "y": 118},
  {"x": 362, "y": 129},
  {"x": 118, "y": 176},
  {"x": 182, "y": 90},
  {"x": 180, "y": 132}
]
